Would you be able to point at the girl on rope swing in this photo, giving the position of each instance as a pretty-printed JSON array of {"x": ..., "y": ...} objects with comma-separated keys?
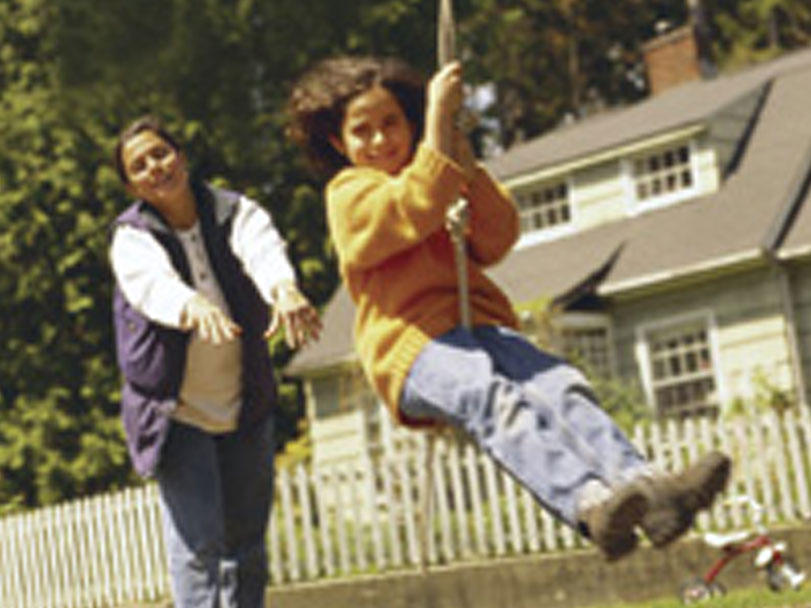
[{"x": 396, "y": 162}]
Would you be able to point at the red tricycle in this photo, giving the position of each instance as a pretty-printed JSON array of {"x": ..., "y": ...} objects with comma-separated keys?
[{"x": 781, "y": 570}]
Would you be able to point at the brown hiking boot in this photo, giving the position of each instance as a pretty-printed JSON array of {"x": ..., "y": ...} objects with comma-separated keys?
[
  {"x": 610, "y": 524},
  {"x": 674, "y": 500}
]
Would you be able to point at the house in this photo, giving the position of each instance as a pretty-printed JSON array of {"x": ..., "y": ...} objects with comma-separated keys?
[{"x": 674, "y": 235}]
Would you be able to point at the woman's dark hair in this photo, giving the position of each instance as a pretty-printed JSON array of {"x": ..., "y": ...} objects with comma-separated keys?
[
  {"x": 147, "y": 122},
  {"x": 318, "y": 101}
]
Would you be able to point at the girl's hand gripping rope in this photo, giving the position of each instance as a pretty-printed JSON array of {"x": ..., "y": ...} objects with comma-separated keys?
[{"x": 444, "y": 100}]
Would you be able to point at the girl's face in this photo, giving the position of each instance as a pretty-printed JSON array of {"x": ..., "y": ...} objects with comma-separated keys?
[
  {"x": 155, "y": 170},
  {"x": 375, "y": 132}
]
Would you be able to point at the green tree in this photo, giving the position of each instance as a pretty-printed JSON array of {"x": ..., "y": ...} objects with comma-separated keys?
[
  {"x": 750, "y": 30},
  {"x": 72, "y": 73},
  {"x": 58, "y": 434},
  {"x": 552, "y": 59}
]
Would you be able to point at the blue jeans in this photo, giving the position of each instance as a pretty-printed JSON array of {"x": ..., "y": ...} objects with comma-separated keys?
[
  {"x": 532, "y": 412},
  {"x": 216, "y": 493}
]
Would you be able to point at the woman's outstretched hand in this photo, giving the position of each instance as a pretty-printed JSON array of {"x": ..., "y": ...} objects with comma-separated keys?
[
  {"x": 293, "y": 311},
  {"x": 208, "y": 320}
]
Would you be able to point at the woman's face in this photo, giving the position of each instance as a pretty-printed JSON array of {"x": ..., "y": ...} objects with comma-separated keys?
[
  {"x": 156, "y": 171},
  {"x": 375, "y": 132}
]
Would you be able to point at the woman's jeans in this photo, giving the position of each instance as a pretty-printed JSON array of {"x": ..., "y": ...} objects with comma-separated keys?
[
  {"x": 532, "y": 412},
  {"x": 216, "y": 493}
]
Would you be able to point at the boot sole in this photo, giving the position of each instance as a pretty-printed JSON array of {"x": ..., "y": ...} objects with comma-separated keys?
[
  {"x": 627, "y": 515},
  {"x": 717, "y": 476},
  {"x": 665, "y": 525}
]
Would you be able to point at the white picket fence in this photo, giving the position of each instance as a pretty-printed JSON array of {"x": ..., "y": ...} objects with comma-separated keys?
[{"x": 106, "y": 551}]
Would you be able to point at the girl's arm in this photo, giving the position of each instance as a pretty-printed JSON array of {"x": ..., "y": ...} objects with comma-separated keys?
[
  {"x": 494, "y": 224},
  {"x": 373, "y": 216}
]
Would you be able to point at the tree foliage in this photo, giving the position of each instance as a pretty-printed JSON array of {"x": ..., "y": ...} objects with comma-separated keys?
[
  {"x": 72, "y": 72},
  {"x": 555, "y": 61},
  {"x": 58, "y": 434},
  {"x": 560, "y": 59},
  {"x": 747, "y": 30}
]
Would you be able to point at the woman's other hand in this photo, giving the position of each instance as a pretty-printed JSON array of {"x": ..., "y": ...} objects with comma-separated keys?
[{"x": 293, "y": 311}]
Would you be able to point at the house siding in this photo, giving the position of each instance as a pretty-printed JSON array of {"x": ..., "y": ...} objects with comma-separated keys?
[
  {"x": 339, "y": 439},
  {"x": 800, "y": 274},
  {"x": 599, "y": 194},
  {"x": 748, "y": 329},
  {"x": 706, "y": 167},
  {"x": 604, "y": 192}
]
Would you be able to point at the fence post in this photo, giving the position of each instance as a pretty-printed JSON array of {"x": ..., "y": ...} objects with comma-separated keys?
[
  {"x": 324, "y": 521},
  {"x": 791, "y": 424},
  {"x": 393, "y": 511}
]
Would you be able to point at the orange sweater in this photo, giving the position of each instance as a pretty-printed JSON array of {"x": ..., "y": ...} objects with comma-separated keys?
[{"x": 396, "y": 258}]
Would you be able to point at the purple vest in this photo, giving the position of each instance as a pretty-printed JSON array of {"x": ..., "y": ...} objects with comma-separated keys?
[{"x": 152, "y": 357}]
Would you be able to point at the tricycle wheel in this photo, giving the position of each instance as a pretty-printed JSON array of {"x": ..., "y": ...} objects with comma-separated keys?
[
  {"x": 717, "y": 589},
  {"x": 785, "y": 575},
  {"x": 697, "y": 590}
]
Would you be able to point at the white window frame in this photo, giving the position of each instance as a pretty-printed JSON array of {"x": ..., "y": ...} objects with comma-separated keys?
[
  {"x": 643, "y": 355},
  {"x": 636, "y": 206},
  {"x": 543, "y": 235}
]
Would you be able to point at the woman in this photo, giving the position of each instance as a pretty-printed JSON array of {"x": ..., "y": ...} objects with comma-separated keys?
[{"x": 196, "y": 270}]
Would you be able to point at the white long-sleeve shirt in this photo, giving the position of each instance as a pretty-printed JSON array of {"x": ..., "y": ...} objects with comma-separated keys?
[{"x": 210, "y": 394}]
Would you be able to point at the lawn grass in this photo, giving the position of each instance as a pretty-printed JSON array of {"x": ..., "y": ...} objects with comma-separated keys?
[{"x": 754, "y": 597}]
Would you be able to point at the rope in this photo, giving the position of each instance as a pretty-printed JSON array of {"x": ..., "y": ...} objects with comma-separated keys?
[{"x": 455, "y": 224}]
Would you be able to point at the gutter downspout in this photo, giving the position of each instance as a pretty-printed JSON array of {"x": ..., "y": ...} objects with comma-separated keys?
[{"x": 771, "y": 242}]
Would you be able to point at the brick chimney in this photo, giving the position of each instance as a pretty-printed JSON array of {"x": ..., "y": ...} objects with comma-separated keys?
[
  {"x": 681, "y": 55},
  {"x": 672, "y": 59}
]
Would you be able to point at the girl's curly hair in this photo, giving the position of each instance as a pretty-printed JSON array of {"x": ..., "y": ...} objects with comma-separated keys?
[{"x": 318, "y": 101}]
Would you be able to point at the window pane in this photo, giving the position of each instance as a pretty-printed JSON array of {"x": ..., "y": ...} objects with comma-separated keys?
[
  {"x": 642, "y": 191},
  {"x": 544, "y": 207},
  {"x": 682, "y": 371},
  {"x": 686, "y": 179},
  {"x": 662, "y": 172},
  {"x": 588, "y": 346}
]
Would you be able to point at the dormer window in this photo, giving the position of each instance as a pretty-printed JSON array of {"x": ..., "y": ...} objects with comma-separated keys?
[
  {"x": 544, "y": 207},
  {"x": 663, "y": 176}
]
